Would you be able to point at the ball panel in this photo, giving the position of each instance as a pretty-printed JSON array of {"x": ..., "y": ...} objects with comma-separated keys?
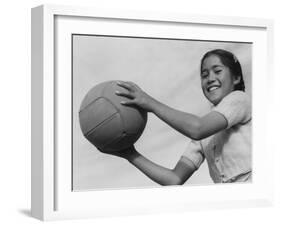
[
  {"x": 93, "y": 94},
  {"x": 134, "y": 122},
  {"x": 95, "y": 113},
  {"x": 106, "y": 132}
]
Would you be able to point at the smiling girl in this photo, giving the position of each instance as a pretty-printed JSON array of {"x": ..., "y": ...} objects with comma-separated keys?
[{"x": 222, "y": 137}]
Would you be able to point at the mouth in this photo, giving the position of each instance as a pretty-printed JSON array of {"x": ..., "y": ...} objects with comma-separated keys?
[{"x": 212, "y": 88}]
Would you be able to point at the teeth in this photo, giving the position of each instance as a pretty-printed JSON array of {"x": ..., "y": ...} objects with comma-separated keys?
[{"x": 213, "y": 88}]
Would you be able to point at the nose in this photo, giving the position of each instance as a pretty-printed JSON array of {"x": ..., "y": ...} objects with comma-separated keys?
[{"x": 211, "y": 77}]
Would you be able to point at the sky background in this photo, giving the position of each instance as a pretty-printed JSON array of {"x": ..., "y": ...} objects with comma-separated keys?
[{"x": 168, "y": 70}]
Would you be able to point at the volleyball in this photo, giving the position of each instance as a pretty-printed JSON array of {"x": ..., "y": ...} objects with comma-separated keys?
[{"x": 107, "y": 124}]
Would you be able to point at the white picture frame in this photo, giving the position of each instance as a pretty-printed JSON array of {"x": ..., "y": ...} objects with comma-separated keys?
[{"x": 52, "y": 197}]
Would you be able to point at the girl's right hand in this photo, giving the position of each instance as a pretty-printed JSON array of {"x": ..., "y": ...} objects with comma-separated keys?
[{"x": 137, "y": 96}]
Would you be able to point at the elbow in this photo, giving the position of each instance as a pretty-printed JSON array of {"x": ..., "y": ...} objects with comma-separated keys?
[
  {"x": 175, "y": 180},
  {"x": 178, "y": 181},
  {"x": 196, "y": 131}
]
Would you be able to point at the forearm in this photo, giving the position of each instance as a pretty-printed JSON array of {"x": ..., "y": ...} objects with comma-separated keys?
[
  {"x": 157, "y": 173},
  {"x": 188, "y": 124}
]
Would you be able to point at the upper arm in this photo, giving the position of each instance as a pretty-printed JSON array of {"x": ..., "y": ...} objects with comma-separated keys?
[
  {"x": 184, "y": 169},
  {"x": 234, "y": 109}
]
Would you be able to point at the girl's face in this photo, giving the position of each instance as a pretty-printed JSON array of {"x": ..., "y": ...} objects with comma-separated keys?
[{"x": 216, "y": 79}]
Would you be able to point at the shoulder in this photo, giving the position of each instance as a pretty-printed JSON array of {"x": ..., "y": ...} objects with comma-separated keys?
[
  {"x": 236, "y": 96},
  {"x": 236, "y": 107},
  {"x": 235, "y": 99}
]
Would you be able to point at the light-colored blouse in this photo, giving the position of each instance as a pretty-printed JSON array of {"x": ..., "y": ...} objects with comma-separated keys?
[{"x": 227, "y": 152}]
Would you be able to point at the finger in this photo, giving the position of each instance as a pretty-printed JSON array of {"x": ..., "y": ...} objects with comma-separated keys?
[
  {"x": 134, "y": 86},
  {"x": 124, "y": 94},
  {"x": 125, "y": 85},
  {"x": 128, "y": 102}
]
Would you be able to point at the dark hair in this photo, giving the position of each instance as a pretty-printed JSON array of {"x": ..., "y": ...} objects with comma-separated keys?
[{"x": 229, "y": 60}]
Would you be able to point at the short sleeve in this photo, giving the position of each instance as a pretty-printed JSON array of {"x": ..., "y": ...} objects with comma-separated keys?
[
  {"x": 194, "y": 153},
  {"x": 235, "y": 107}
]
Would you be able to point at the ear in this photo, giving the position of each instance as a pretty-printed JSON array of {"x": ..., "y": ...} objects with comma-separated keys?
[{"x": 237, "y": 80}]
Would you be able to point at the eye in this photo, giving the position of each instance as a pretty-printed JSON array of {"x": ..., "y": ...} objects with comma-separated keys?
[
  {"x": 218, "y": 71},
  {"x": 204, "y": 74}
]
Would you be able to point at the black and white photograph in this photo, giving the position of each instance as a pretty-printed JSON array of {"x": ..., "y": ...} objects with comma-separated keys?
[
  {"x": 150, "y": 112},
  {"x": 145, "y": 112}
]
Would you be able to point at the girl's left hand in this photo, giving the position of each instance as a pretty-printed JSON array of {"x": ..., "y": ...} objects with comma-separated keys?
[{"x": 136, "y": 95}]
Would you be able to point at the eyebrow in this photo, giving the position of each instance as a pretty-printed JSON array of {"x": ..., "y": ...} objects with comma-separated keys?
[{"x": 214, "y": 66}]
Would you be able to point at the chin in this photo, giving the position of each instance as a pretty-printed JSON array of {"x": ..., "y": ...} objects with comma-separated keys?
[
  {"x": 216, "y": 97},
  {"x": 213, "y": 98},
  {"x": 215, "y": 102}
]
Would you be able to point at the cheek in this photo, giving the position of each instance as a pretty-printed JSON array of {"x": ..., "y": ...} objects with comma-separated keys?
[
  {"x": 229, "y": 83},
  {"x": 203, "y": 87},
  {"x": 226, "y": 80},
  {"x": 203, "y": 83}
]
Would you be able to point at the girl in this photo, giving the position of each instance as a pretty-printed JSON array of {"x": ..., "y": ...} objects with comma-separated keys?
[{"x": 222, "y": 137}]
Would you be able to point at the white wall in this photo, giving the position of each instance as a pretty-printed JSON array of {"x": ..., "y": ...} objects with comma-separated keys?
[{"x": 15, "y": 111}]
